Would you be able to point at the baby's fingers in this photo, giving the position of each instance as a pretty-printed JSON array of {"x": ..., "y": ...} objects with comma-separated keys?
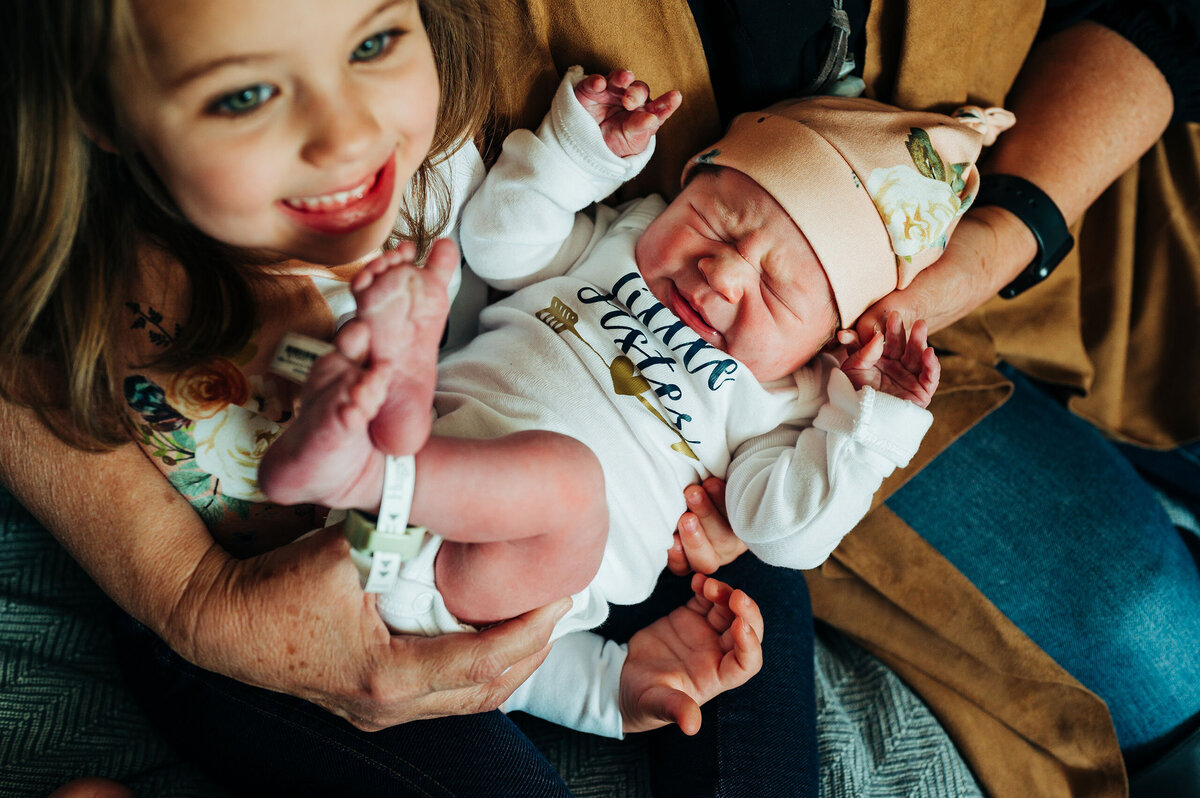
[
  {"x": 697, "y": 548},
  {"x": 677, "y": 559},
  {"x": 744, "y": 657},
  {"x": 893, "y": 337},
  {"x": 747, "y": 611},
  {"x": 918, "y": 342},
  {"x": 673, "y": 706},
  {"x": 931, "y": 371},
  {"x": 635, "y": 96},
  {"x": 620, "y": 79},
  {"x": 594, "y": 84},
  {"x": 714, "y": 488},
  {"x": 867, "y": 356},
  {"x": 662, "y": 107}
]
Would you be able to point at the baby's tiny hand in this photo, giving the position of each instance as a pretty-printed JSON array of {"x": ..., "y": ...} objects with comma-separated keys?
[
  {"x": 905, "y": 367},
  {"x": 622, "y": 108},
  {"x": 709, "y": 645}
]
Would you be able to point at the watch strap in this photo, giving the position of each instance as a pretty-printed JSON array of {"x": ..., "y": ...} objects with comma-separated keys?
[{"x": 1037, "y": 212}]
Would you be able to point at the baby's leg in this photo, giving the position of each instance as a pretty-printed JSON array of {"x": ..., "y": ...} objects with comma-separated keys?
[
  {"x": 326, "y": 456},
  {"x": 524, "y": 516},
  {"x": 405, "y": 309}
]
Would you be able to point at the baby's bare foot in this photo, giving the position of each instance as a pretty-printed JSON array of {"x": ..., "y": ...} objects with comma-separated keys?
[
  {"x": 404, "y": 308},
  {"x": 326, "y": 455}
]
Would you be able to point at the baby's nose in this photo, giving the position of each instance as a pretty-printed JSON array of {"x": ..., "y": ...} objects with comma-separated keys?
[{"x": 727, "y": 274}]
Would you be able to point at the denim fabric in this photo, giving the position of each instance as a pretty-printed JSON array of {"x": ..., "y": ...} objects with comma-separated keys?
[
  {"x": 759, "y": 740},
  {"x": 1048, "y": 519},
  {"x": 259, "y": 743},
  {"x": 1175, "y": 472}
]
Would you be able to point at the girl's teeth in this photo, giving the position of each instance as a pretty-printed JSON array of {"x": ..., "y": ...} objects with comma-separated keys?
[{"x": 331, "y": 202}]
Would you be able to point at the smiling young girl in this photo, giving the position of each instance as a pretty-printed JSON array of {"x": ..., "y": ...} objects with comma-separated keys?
[
  {"x": 184, "y": 181},
  {"x": 181, "y": 179}
]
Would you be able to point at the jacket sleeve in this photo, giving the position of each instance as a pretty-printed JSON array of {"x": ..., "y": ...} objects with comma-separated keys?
[
  {"x": 577, "y": 686},
  {"x": 525, "y": 224},
  {"x": 794, "y": 493}
]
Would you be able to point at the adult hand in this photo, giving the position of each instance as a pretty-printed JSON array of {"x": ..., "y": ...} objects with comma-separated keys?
[
  {"x": 296, "y": 620},
  {"x": 988, "y": 248},
  {"x": 704, "y": 540},
  {"x": 1088, "y": 104}
]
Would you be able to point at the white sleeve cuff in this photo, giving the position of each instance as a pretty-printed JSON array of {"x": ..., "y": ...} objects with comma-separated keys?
[
  {"x": 579, "y": 136},
  {"x": 887, "y": 425},
  {"x": 578, "y": 686}
]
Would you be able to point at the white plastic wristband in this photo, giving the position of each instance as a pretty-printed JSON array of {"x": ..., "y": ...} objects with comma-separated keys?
[
  {"x": 389, "y": 541},
  {"x": 378, "y": 547}
]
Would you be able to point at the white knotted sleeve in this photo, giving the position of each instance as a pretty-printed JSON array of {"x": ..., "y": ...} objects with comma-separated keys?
[
  {"x": 794, "y": 493},
  {"x": 524, "y": 224}
]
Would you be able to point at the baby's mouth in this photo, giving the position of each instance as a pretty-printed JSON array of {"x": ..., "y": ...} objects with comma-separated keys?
[{"x": 690, "y": 315}]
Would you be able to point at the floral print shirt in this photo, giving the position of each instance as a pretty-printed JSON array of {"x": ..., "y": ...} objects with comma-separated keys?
[{"x": 207, "y": 427}]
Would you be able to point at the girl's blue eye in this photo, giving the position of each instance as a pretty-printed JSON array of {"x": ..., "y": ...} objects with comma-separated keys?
[
  {"x": 375, "y": 46},
  {"x": 244, "y": 100}
]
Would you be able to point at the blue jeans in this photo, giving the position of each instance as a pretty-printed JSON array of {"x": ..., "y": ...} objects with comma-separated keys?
[
  {"x": 255, "y": 742},
  {"x": 1053, "y": 524},
  {"x": 759, "y": 740}
]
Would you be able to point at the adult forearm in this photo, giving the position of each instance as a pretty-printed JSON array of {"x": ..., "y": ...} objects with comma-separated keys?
[
  {"x": 1088, "y": 105},
  {"x": 115, "y": 514},
  {"x": 293, "y": 620}
]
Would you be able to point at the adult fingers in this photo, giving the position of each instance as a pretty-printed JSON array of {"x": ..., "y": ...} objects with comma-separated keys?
[{"x": 456, "y": 661}]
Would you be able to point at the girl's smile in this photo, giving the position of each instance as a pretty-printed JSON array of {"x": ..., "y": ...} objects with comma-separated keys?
[
  {"x": 343, "y": 212},
  {"x": 293, "y": 132}
]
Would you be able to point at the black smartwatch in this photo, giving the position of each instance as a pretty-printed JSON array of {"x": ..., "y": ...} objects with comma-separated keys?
[{"x": 1039, "y": 213}]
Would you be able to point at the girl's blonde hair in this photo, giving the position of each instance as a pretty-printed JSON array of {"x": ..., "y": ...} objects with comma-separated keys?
[{"x": 75, "y": 219}]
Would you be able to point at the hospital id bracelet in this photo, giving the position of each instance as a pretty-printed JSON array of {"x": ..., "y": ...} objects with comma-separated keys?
[
  {"x": 379, "y": 554},
  {"x": 1036, "y": 211},
  {"x": 380, "y": 546}
]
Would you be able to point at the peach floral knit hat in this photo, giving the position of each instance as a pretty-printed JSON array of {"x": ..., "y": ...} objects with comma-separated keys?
[{"x": 875, "y": 189}]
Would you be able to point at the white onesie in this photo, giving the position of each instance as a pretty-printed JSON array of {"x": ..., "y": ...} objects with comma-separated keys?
[{"x": 584, "y": 349}]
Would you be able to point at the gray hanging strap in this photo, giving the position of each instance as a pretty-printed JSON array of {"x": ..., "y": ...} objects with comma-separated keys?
[{"x": 831, "y": 69}]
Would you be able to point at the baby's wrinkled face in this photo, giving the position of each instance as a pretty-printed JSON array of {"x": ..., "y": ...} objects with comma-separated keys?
[{"x": 733, "y": 266}]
